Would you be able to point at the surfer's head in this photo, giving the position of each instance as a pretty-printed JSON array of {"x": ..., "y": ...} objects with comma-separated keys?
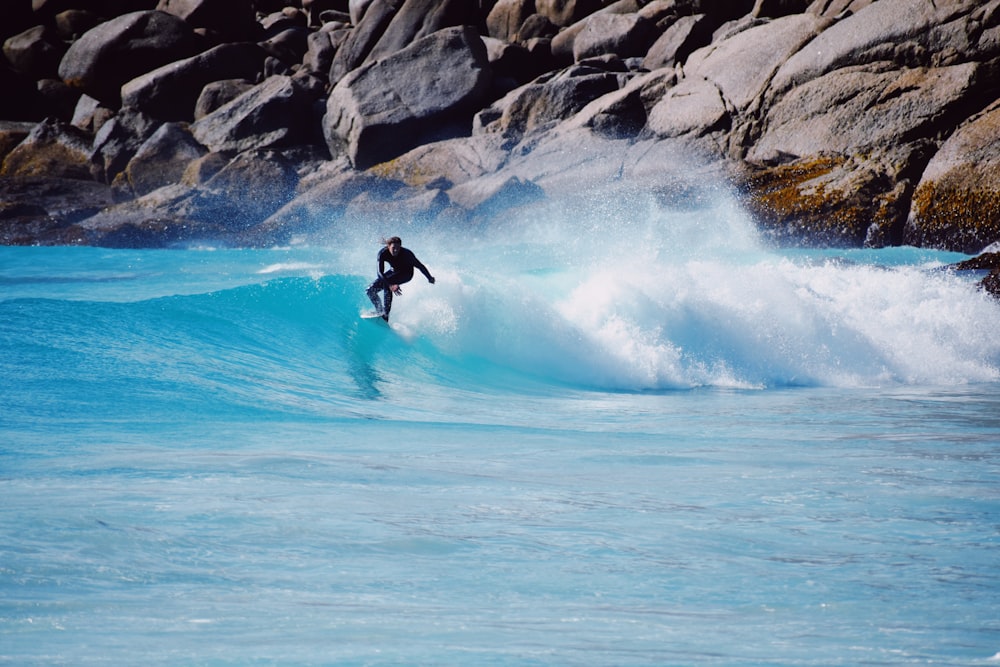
[{"x": 393, "y": 243}]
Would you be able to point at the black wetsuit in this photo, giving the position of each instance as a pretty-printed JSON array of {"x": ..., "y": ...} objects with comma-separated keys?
[{"x": 401, "y": 272}]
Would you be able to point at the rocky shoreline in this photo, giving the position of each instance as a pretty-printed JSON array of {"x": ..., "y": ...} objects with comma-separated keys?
[{"x": 152, "y": 123}]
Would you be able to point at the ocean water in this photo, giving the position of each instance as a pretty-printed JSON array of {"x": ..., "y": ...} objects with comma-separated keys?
[{"x": 648, "y": 439}]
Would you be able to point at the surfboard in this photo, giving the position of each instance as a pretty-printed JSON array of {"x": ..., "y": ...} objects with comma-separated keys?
[{"x": 372, "y": 315}]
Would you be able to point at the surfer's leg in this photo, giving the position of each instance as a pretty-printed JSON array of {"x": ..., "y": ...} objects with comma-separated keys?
[
  {"x": 372, "y": 293},
  {"x": 387, "y": 293}
]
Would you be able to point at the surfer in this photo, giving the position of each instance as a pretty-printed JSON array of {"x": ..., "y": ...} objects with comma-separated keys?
[{"x": 402, "y": 262}]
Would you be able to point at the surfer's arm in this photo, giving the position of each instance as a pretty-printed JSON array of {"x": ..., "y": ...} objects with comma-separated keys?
[{"x": 423, "y": 269}]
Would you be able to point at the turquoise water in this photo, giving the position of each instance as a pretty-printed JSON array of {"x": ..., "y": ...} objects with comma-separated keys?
[{"x": 644, "y": 443}]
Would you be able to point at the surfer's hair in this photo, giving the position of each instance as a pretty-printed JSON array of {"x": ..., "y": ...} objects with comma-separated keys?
[{"x": 392, "y": 239}]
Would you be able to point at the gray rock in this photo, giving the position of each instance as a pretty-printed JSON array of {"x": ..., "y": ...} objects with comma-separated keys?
[
  {"x": 250, "y": 188},
  {"x": 36, "y": 52},
  {"x": 162, "y": 159},
  {"x": 357, "y": 9},
  {"x": 171, "y": 92},
  {"x": 624, "y": 35},
  {"x": 289, "y": 45},
  {"x": 742, "y": 66},
  {"x": 200, "y": 170},
  {"x": 425, "y": 92},
  {"x": 417, "y": 19},
  {"x": 119, "y": 50},
  {"x": 44, "y": 210},
  {"x": 443, "y": 164},
  {"x": 159, "y": 219},
  {"x": 909, "y": 32},
  {"x": 544, "y": 102},
  {"x": 679, "y": 41},
  {"x": 319, "y": 206},
  {"x": 11, "y": 134},
  {"x": 694, "y": 106},
  {"x": 320, "y": 50},
  {"x": 366, "y": 33},
  {"x": 857, "y": 110},
  {"x": 957, "y": 201},
  {"x": 506, "y": 18},
  {"x": 272, "y": 114},
  {"x": 53, "y": 149},
  {"x": 625, "y": 113},
  {"x": 118, "y": 140},
  {"x": 391, "y": 25},
  {"x": 404, "y": 206},
  {"x": 536, "y": 26},
  {"x": 219, "y": 93}
]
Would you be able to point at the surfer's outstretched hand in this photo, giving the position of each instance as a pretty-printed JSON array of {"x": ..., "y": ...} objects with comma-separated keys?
[{"x": 396, "y": 290}]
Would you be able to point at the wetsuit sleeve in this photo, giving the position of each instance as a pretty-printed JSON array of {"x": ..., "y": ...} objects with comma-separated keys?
[{"x": 423, "y": 269}]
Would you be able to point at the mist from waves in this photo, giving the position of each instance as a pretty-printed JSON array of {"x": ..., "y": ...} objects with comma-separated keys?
[{"x": 634, "y": 296}]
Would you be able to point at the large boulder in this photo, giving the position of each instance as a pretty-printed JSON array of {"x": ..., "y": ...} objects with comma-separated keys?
[
  {"x": 427, "y": 91},
  {"x": 692, "y": 107},
  {"x": 118, "y": 140},
  {"x": 320, "y": 49},
  {"x": 289, "y": 45},
  {"x": 367, "y": 31},
  {"x": 171, "y": 92},
  {"x": 391, "y": 25},
  {"x": 906, "y": 32},
  {"x": 546, "y": 101},
  {"x": 219, "y": 93},
  {"x": 507, "y": 16},
  {"x": 742, "y": 66},
  {"x": 321, "y": 202},
  {"x": 679, "y": 41},
  {"x": 162, "y": 159},
  {"x": 53, "y": 149},
  {"x": 272, "y": 114},
  {"x": 44, "y": 210},
  {"x": 119, "y": 50},
  {"x": 957, "y": 201},
  {"x": 846, "y": 149},
  {"x": 417, "y": 19},
  {"x": 157, "y": 220},
  {"x": 11, "y": 134},
  {"x": 857, "y": 111},
  {"x": 250, "y": 188},
  {"x": 36, "y": 52},
  {"x": 357, "y": 9},
  {"x": 446, "y": 163},
  {"x": 625, "y": 35}
]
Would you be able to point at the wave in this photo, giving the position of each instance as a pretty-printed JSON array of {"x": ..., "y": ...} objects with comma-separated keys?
[{"x": 641, "y": 299}]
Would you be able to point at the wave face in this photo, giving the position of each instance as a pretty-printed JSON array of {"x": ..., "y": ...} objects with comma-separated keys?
[{"x": 600, "y": 299}]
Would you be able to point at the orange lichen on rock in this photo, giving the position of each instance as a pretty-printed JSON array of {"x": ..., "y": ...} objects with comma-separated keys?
[
  {"x": 956, "y": 216},
  {"x": 821, "y": 201}
]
